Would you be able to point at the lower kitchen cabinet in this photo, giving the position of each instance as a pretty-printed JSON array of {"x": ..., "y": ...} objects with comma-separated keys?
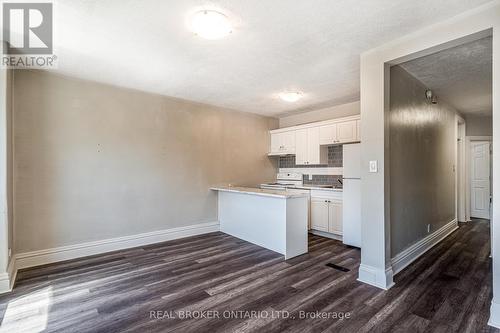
[
  {"x": 326, "y": 214},
  {"x": 335, "y": 217},
  {"x": 319, "y": 214}
]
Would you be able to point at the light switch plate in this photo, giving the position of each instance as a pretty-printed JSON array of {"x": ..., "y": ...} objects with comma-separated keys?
[{"x": 373, "y": 166}]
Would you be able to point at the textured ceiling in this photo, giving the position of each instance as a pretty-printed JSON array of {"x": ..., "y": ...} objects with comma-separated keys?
[
  {"x": 462, "y": 76},
  {"x": 312, "y": 46}
]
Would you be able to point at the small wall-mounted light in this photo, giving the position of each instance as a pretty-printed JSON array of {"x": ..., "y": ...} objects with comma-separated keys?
[{"x": 429, "y": 95}]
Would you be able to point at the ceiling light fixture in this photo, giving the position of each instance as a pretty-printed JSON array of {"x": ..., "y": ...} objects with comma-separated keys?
[
  {"x": 210, "y": 24},
  {"x": 290, "y": 96}
]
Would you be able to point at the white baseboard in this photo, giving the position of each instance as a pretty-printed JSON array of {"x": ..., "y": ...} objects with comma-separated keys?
[
  {"x": 42, "y": 257},
  {"x": 4, "y": 283},
  {"x": 326, "y": 234},
  {"x": 380, "y": 278},
  {"x": 494, "y": 314},
  {"x": 405, "y": 258},
  {"x": 7, "y": 279}
]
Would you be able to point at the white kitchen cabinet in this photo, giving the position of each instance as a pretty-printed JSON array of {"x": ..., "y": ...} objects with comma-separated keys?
[
  {"x": 301, "y": 147},
  {"x": 308, "y": 150},
  {"x": 326, "y": 212},
  {"x": 283, "y": 142},
  {"x": 328, "y": 134},
  {"x": 341, "y": 132},
  {"x": 335, "y": 216},
  {"x": 346, "y": 131},
  {"x": 319, "y": 214},
  {"x": 307, "y": 141},
  {"x": 314, "y": 150}
]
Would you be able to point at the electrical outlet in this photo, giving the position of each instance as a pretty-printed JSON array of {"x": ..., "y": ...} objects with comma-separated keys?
[{"x": 428, "y": 228}]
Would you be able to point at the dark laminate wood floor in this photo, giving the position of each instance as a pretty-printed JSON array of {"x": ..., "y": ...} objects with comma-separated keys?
[{"x": 447, "y": 290}]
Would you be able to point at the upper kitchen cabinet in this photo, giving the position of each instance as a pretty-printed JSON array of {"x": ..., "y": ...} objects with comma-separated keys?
[
  {"x": 346, "y": 131},
  {"x": 308, "y": 150},
  {"x": 306, "y": 141},
  {"x": 328, "y": 134},
  {"x": 282, "y": 143}
]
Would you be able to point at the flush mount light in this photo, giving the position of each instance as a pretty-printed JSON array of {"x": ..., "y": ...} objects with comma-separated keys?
[
  {"x": 210, "y": 24},
  {"x": 290, "y": 96}
]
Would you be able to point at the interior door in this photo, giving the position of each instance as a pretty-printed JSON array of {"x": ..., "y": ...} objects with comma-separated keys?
[{"x": 480, "y": 179}]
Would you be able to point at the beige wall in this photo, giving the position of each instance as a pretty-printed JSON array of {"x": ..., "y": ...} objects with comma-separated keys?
[
  {"x": 94, "y": 161},
  {"x": 422, "y": 155},
  {"x": 344, "y": 110},
  {"x": 478, "y": 126}
]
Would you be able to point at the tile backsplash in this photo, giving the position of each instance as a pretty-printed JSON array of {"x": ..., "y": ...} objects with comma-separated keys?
[
  {"x": 322, "y": 180},
  {"x": 334, "y": 160}
]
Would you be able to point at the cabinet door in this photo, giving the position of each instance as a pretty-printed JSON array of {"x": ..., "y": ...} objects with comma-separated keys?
[
  {"x": 358, "y": 130},
  {"x": 288, "y": 141},
  {"x": 313, "y": 149},
  {"x": 335, "y": 217},
  {"x": 328, "y": 134},
  {"x": 346, "y": 131},
  {"x": 275, "y": 142},
  {"x": 301, "y": 147},
  {"x": 319, "y": 214}
]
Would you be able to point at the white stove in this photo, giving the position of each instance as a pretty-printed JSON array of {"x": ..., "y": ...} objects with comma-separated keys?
[{"x": 285, "y": 180}]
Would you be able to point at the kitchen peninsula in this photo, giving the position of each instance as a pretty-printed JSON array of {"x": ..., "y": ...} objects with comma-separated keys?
[{"x": 276, "y": 220}]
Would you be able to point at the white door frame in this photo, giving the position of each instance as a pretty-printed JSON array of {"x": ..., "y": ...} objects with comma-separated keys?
[
  {"x": 468, "y": 140},
  {"x": 460, "y": 174}
]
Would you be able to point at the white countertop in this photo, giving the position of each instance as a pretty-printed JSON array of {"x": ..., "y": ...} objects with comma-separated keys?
[{"x": 259, "y": 191}]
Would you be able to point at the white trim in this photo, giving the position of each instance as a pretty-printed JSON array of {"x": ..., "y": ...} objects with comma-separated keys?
[
  {"x": 382, "y": 279},
  {"x": 4, "y": 283},
  {"x": 314, "y": 171},
  {"x": 405, "y": 258},
  {"x": 326, "y": 234},
  {"x": 460, "y": 175},
  {"x": 494, "y": 314},
  {"x": 468, "y": 140},
  {"x": 7, "y": 279},
  {"x": 316, "y": 124},
  {"x": 42, "y": 257}
]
